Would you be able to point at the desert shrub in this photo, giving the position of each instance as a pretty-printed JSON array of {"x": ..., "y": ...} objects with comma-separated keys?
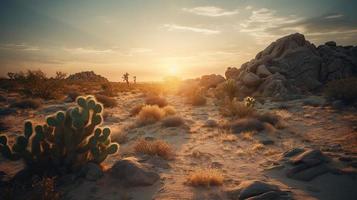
[
  {"x": 136, "y": 109},
  {"x": 108, "y": 89},
  {"x": 36, "y": 84},
  {"x": 156, "y": 100},
  {"x": 197, "y": 100},
  {"x": 230, "y": 88},
  {"x": 343, "y": 89},
  {"x": 73, "y": 95},
  {"x": 194, "y": 95},
  {"x": 173, "y": 121},
  {"x": 205, "y": 177},
  {"x": 26, "y": 104},
  {"x": 236, "y": 109},
  {"x": 106, "y": 101},
  {"x": 72, "y": 136},
  {"x": 154, "y": 148},
  {"x": 245, "y": 124},
  {"x": 267, "y": 117},
  {"x": 169, "y": 110},
  {"x": 150, "y": 114}
]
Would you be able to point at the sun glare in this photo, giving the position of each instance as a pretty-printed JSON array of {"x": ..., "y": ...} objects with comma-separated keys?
[{"x": 173, "y": 70}]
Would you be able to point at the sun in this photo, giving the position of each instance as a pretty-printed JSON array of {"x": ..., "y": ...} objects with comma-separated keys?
[{"x": 173, "y": 70}]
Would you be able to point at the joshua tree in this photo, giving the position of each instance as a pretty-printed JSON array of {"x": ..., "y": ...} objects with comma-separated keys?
[
  {"x": 126, "y": 78},
  {"x": 134, "y": 77}
]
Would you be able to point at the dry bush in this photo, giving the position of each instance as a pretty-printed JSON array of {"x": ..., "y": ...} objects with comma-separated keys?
[
  {"x": 236, "y": 109},
  {"x": 343, "y": 89},
  {"x": 267, "y": 117},
  {"x": 173, "y": 121},
  {"x": 205, "y": 177},
  {"x": 245, "y": 124},
  {"x": 194, "y": 95},
  {"x": 248, "y": 135},
  {"x": 156, "y": 100},
  {"x": 136, "y": 109},
  {"x": 150, "y": 114},
  {"x": 258, "y": 147},
  {"x": 108, "y": 89},
  {"x": 229, "y": 88},
  {"x": 154, "y": 148},
  {"x": 169, "y": 110},
  {"x": 106, "y": 101},
  {"x": 197, "y": 100},
  {"x": 27, "y": 104}
]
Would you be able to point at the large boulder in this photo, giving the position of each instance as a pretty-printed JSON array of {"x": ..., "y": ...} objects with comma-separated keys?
[
  {"x": 255, "y": 188},
  {"x": 133, "y": 173},
  {"x": 87, "y": 76},
  {"x": 211, "y": 81},
  {"x": 304, "y": 67}
]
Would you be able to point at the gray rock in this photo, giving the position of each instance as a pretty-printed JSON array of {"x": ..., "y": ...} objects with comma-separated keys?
[
  {"x": 331, "y": 43},
  {"x": 92, "y": 171},
  {"x": 248, "y": 189},
  {"x": 132, "y": 173},
  {"x": 250, "y": 79},
  {"x": 232, "y": 73},
  {"x": 262, "y": 71},
  {"x": 211, "y": 81},
  {"x": 7, "y": 111},
  {"x": 271, "y": 195},
  {"x": 314, "y": 101},
  {"x": 293, "y": 152},
  {"x": 338, "y": 104},
  {"x": 309, "y": 173},
  {"x": 310, "y": 157}
]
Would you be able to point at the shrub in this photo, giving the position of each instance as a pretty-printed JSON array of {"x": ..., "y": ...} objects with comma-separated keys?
[
  {"x": 154, "y": 148},
  {"x": 236, "y": 109},
  {"x": 108, "y": 89},
  {"x": 169, "y": 110},
  {"x": 156, "y": 100},
  {"x": 27, "y": 104},
  {"x": 172, "y": 121},
  {"x": 343, "y": 89},
  {"x": 65, "y": 143},
  {"x": 150, "y": 114},
  {"x": 196, "y": 100},
  {"x": 230, "y": 88},
  {"x": 136, "y": 109},
  {"x": 245, "y": 124},
  {"x": 205, "y": 177},
  {"x": 106, "y": 101}
]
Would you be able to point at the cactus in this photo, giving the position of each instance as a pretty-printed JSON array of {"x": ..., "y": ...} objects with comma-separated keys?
[
  {"x": 66, "y": 142},
  {"x": 249, "y": 102}
]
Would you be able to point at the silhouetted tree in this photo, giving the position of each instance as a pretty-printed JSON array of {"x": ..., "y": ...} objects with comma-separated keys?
[
  {"x": 134, "y": 77},
  {"x": 126, "y": 78}
]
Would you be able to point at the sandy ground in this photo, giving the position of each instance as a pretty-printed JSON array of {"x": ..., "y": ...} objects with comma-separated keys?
[{"x": 239, "y": 157}]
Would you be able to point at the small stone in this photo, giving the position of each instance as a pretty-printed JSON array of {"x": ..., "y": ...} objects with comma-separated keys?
[
  {"x": 293, "y": 152},
  {"x": 249, "y": 189}
]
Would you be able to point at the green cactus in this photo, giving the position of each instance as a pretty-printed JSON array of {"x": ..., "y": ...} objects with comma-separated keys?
[
  {"x": 67, "y": 141},
  {"x": 249, "y": 102}
]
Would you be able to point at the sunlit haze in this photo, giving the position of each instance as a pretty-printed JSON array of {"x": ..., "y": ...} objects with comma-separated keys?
[{"x": 153, "y": 39}]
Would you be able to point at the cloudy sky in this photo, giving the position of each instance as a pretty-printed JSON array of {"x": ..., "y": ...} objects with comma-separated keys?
[{"x": 152, "y": 39}]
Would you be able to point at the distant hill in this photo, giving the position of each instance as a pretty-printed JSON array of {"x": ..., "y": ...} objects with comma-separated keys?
[{"x": 87, "y": 76}]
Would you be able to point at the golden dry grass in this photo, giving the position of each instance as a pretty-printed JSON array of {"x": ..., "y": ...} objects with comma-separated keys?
[
  {"x": 169, "y": 110},
  {"x": 258, "y": 147},
  {"x": 236, "y": 109},
  {"x": 248, "y": 135},
  {"x": 205, "y": 177},
  {"x": 154, "y": 148},
  {"x": 150, "y": 114}
]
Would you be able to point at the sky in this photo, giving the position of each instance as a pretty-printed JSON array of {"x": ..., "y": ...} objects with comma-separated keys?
[{"x": 155, "y": 38}]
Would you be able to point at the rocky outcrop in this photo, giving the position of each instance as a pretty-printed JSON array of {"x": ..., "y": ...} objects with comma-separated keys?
[
  {"x": 87, "y": 76},
  {"x": 211, "y": 81},
  {"x": 293, "y": 65}
]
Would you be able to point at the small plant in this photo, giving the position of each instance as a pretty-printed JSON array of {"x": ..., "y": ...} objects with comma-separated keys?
[
  {"x": 156, "y": 100},
  {"x": 236, "y": 109},
  {"x": 67, "y": 141},
  {"x": 106, "y": 101},
  {"x": 245, "y": 124},
  {"x": 172, "y": 121},
  {"x": 249, "y": 102},
  {"x": 154, "y": 148},
  {"x": 150, "y": 114},
  {"x": 230, "y": 88},
  {"x": 136, "y": 109},
  {"x": 126, "y": 78},
  {"x": 343, "y": 89},
  {"x": 205, "y": 177},
  {"x": 108, "y": 89},
  {"x": 169, "y": 110},
  {"x": 27, "y": 104}
]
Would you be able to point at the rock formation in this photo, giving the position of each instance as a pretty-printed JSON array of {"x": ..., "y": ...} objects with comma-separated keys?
[
  {"x": 87, "y": 76},
  {"x": 293, "y": 65}
]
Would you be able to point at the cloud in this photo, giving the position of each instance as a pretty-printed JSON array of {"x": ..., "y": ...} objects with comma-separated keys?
[
  {"x": 210, "y": 11},
  {"x": 174, "y": 27},
  {"x": 266, "y": 24},
  {"x": 81, "y": 50},
  {"x": 21, "y": 47}
]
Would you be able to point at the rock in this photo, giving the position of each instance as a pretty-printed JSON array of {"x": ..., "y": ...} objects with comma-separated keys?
[
  {"x": 54, "y": 108},
  {"x": 132, "y": 173},
  {"x": 211, "y": 123},
  {"x": 232, "y": 73},
  {"x": 211, "y": 81},
  {"x": 310, "y": 158},
  {"x": 293, "y": 152},
  {"x": 274, "y": 86},
  {"x": 250, "y": 79},
  {"x": 309, "y": 173},
  {"x": 248, "y": 189},
  {"x": 271, "y": 195},
  {"x": 87, "y": 76},
  {"x": 92, "y": 171},
  {"x": 314, "y": 101},
  {"x": 262, "y": 71},
  {"x": 331, "y": 43},
  {"x": 7, "y": 111},
  {"x": 338, "y": 104}
]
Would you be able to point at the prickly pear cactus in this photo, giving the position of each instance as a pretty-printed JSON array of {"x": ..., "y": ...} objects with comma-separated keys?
[{"x": 66, "y": 142}]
